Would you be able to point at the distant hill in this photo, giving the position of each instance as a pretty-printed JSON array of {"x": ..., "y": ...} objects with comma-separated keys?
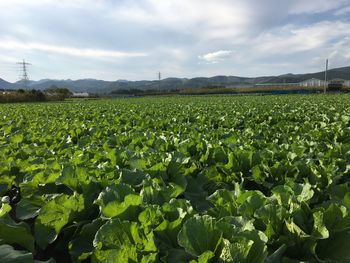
[
  {"x": 6, "y": 85},
  {"x": 342, "y": 73},
  {"x": 81, "y": 85},
  {"x": 104, "y": 87}
]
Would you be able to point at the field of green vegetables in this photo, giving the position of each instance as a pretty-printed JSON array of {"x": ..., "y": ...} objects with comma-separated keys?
[{"x": 176, "y": 179}]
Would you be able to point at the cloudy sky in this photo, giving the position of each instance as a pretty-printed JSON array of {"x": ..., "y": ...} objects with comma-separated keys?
[{"x": 134, "y": 39}]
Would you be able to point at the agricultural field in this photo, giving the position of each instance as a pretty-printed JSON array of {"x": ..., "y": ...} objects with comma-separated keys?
[{"x": 176, "y": 179}]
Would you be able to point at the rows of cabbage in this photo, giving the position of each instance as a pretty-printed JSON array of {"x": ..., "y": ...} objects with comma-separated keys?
[{"x": 177, "y": 179}]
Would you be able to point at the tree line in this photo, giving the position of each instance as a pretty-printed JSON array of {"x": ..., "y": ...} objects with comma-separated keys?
[{"x": 53, "y": 93}]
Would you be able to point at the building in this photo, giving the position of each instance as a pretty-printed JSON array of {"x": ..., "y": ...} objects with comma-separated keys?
[
  {"x": 80, "y": 95},
  {"x": 312, "y": 83},
  {"x": 346, "y": 83}
]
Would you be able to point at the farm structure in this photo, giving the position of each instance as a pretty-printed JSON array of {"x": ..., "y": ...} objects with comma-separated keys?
[{"x": 312, "y": 83}]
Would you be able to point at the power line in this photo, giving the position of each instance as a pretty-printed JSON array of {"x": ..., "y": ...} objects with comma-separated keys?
[{"x": 24, "y": 78}]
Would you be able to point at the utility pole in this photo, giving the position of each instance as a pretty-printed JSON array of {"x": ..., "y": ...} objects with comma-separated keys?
[
  {"x": 159, "y": 78},
  {"x": 25, "y": 77},
  {"x": 325, "y": 77}
]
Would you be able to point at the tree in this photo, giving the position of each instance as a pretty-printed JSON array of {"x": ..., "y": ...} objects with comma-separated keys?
[{"x": 60, "y": 93}]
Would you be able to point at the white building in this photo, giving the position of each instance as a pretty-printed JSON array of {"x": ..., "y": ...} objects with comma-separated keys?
[
  {"x": 346, "y": 83},
  {"x": 80, "y": 94},
  {"x": 312, "y": 83}
]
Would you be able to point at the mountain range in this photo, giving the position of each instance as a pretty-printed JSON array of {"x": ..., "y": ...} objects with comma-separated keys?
[{"x": 105, "y": 87}]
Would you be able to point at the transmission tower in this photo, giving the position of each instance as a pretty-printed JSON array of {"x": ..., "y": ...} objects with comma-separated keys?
[
  {"x": 159, "y": 78},
  {"x": 24, "y": 78}
]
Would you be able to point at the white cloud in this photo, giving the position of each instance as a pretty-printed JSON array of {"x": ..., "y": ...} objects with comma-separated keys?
[
  {"x": 342, "y": 11},
  {"x": 315, "y": 6},
  {"x": 216, "y": 56},
  {"x": 201, "y": 18},
  {"x": 40, "y": 3},
  {"x": 70, "y": 51},
  {"x": 268, "y": 37},
  {"x": 291, "y": 39}
]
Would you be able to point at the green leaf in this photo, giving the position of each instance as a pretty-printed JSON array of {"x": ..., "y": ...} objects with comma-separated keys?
[
  {"x": 232, "y": 226},
  {"x": 54, "y": 215},
  {"x": 124, "y": 254},
  {"x": 205, "y": 257},
  {"x": 9, "y": 255},
  {"x": 237, "y": 251},
  {"x": 283, "y": 194},
  {"x": 150, "y": 216},
  {"x": 174, "y": 255},
  {"x": 175, "y": 212},
  {"x": 150, "y": 258},
  {"x": 224, "y": 202},
  {"x": 273, "y": 216},
  {"x": 177, "y": 179},
  {"x": 73, "y": 177},
  {"x": 276, "y": 257},
  {"x": 13, "y": 233},
  {"x": 249, "y": 202},
  {"x": 200, "y": 234},
  {"x": 303, "y": 192},
  {"x": 320, "y": 231},
  {"x": 116, "y": 208},
  {"x": 82, "y": 245},
  {"x": 335, "y": 248},
  {"x": 5, "y": 208},
  {"x": 115, "y": 234},
  {"x": 29, "y": 208},
  {"x": 119, "y": 200},
  {"x": 237, "y": 228},
  {"x": 17, "y": 138},
  {"x": 132, "y": 177},
  {"x": 336, "y": 218}
]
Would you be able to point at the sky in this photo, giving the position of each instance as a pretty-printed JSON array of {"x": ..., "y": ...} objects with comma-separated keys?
[{"x": 135, "y": 39}]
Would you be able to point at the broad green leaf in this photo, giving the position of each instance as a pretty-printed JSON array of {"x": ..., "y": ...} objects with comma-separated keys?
[
  {"x": 206, "y": 257},
  {"x": 54, "y": 215},
  {"x": 13, "y": 233},
  {"x": 117, "y": 200},
  {"x": 28, "y": 208},
  {"x": 115, "y": 234},
  {"x": 224, "y": 202},
  {"x": 73, "y": 177},
  {"x": 132, "y": 177},
  {"x": 150, "y": 258},
  {"x": 82, "y": 245},
  {"x": 237, "y": 251},
  {"x": 177, "y": 179},
  {"x": 124, "y": 254},
  {"x": 249, "y": 202},
  {"x": 176, "y": 256},
  {"x": 17, "y": 138},
  {"x": 150, "y": 216},
  {"x": 236, "y": 228},
  {"x": 9, "y": 255},
  {"x": 273, "y": 216},
  {"x": 276, "y": 257},
  {"x": 116, "y": 208},
  {"x": 5, "y": 208},
  {"x": 320, "y": 230},
  {"x": 335, "y": 248},
  {"x": 200, "y": 234},
  {"x": 336, "y": 217}
]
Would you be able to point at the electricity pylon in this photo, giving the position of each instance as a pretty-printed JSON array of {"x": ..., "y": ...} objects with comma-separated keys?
[{"x": 25, "y": 78}]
